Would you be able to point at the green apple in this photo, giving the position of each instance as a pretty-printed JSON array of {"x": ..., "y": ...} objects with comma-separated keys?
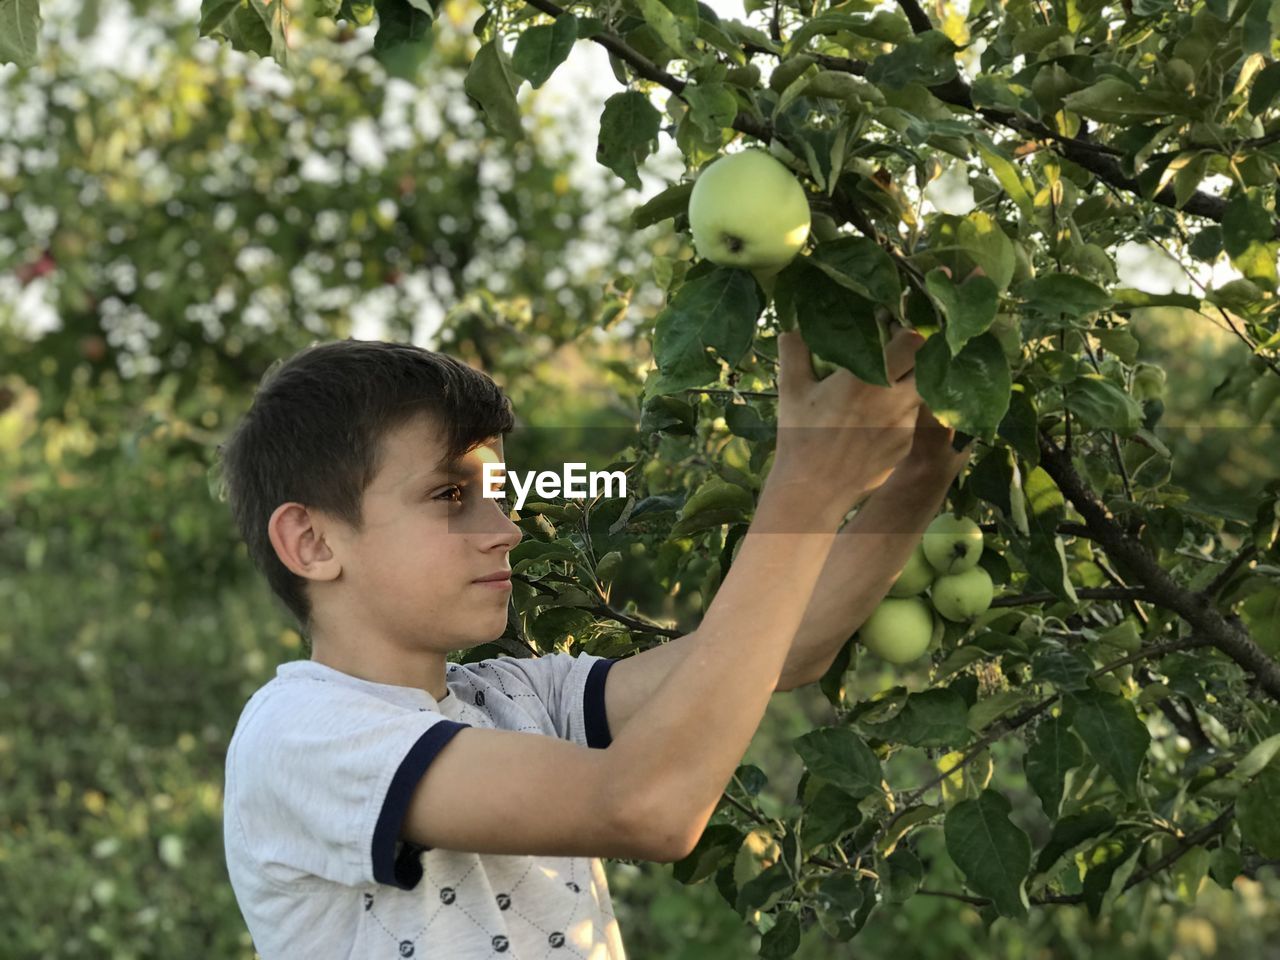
[
  {"x": 915, "y": 576},
  {"x": 960, "y": 596},
  {"x": 1148, "y": 382},
  {"x": 952, "y": 544},
  {"x": 825, "y": 227},
  {"x": 748, "y": 210},
  {"x": 899, "y": 630}
]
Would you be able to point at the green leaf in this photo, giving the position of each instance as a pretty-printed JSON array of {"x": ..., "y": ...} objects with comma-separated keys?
[
  {"x": 755, "y": 894},
  {"x": 969, "y": 308},
  {"x": 967, "y": 391},
  {"x": 491, "y": 83},
  {"x": 1258, "y": 27},
  {"x": 900, "y": 875},
  {"x": 1188, "y": 170},
  {"x": 535, "y": 551},
  {"x": 1109, "y": 865},
  {"x": 550, "y": 627},
  {"x": 675, "y": 22},
  {"x": 714, "y": 503},
  {"x": 670, "y": 415},
  {"x": 926, "y": 58},
  {"x": 1256, "y": 810},
  {"x": 671, "y": 202},
  {"x": 992, "y": 853},
  {"x": 1102, "y": 405},
  {"x": 1019, "y": 425},
  {"x": 783, "y": 938},
  {"x": 1263, "y": 90},
  {"x": 840, "y": 893},
  {"x": 902, "y": 823},
  {"x": 1245, "y": 221},
  {"x": 1248, "y": 236},
  {"x": 962, "y": 243},
  {"x": 1186, "y": 873},
  {"x": 712, "y": 107},
  {"x": 1071, "y": 831},
  {"x": 1052, "y": 294},
  {"x": 544, "y": 47},
  {"x": 1061, "y": 666},
  {"x": 213, "y": 14},
  {"x": 1115, "y": 737},
  {"x": 861, "y": 265},
  {"x": 714, "y": 310},
  {"x": 991, "y": 708},
  {"x": 887, "y": 29},
  {"x": 1045, "y": 557},
  {"x": 400, "y": 22},
  {"x": 243, "y": 28},
  {"x": 1225, "y": 864},
  {"x": 836, "y": 323},
  {"x": 840, "y": 757},
  {"x": 1257, "y": 759},
  {"x": 1112, "y": 100},
  {"x": 359, "y": 12},
  {"x": 719, "y": 843},
  {"x": 932, "y": 718},
  {"x": 968, "y": 779},
  {"x": 275, "y": 18},
  {"x": 830, "y": 814},
  {"x": 1054, "y": 751},
  {"x": 1120, "y": 342},
  {"x": 1007, "y": 175},
  {"x": 744, "y": 420},
  {"x": 628, "y": 134}
]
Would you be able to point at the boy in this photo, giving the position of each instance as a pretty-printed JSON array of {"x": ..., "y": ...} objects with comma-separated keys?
[{"x": 381, "y": 802}]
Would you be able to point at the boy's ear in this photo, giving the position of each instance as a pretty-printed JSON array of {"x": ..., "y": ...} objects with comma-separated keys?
[{"x": 301, "y": 543}]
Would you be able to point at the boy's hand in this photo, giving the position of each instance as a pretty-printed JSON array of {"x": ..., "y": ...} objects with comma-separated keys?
[
  {"x": 932, "y": 454},
  {"x": 842, "y": 436}
]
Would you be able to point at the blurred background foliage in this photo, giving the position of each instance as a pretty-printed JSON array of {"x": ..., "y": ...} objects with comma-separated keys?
[{"x": 180, "y": 251}]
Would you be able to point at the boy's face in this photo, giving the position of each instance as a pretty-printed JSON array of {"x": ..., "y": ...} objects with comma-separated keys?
[{"x": 407, "y": 582}]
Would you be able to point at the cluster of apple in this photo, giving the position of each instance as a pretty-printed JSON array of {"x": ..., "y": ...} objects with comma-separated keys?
[{"x": 944, "y": 562}]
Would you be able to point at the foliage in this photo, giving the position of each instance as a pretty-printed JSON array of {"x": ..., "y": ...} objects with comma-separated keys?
[{"x": 1108, "y": 729}]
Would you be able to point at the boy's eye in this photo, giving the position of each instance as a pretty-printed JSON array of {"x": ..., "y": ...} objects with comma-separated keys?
[{"x": 504, "y": 502}]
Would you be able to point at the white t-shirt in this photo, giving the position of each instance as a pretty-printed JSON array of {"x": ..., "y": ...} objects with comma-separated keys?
[{"x": 319, "y": 774}]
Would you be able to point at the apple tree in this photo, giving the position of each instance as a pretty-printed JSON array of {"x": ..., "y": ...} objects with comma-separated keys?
[
  {"x": 1121, "y": 687},
  {"x": 1130, "y": 646}
]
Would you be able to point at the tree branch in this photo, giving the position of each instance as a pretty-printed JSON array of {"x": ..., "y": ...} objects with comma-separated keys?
[
  {"x": 1207, "y": 832},
  {"x": 604, "y": 610},
  {"x": 1210, "y": 593},
  {"x": 1092, "y": 157},
  {"x": 1191, "y": 840},
  {"x": 1007, "y": 725},
  {"x": 1226, "y": 633},
  {"x": 1086, "y": 593}
]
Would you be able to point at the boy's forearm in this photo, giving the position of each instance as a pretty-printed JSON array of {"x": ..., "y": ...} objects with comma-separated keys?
[
  {"x": 868, "y": 554},
  {"x": 675, "y": 757}
]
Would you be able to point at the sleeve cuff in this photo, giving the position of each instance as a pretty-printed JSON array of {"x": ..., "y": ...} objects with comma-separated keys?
[
  {"x": 594, "y": 718},
  {"x": 405, "y": 870}
]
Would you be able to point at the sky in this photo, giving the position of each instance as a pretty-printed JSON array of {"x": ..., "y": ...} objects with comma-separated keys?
[{"x": 574, "y": 96}]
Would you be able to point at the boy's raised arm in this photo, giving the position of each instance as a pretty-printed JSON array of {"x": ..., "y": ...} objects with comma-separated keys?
[{"x": 674, "y": 759}]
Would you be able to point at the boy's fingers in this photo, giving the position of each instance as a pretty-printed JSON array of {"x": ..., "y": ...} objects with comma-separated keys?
[
  {"x": 793, "y": 358},
  {"x": 900, "y": 353}
]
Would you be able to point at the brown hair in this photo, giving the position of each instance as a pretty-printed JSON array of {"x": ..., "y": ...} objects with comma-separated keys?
[{"x": 315, "y": 435}]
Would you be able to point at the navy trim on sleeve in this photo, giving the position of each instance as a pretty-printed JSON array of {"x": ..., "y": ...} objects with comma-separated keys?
[
  {"x": 405, "y": 870},
  {"x": 593, "y": 713}
]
